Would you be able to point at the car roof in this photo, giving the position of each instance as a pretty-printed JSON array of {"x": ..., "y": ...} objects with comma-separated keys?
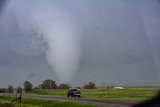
[{"x": 73, "y": 89}]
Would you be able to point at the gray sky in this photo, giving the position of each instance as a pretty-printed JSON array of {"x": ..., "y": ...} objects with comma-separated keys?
[{"x": 76, "y": 41}]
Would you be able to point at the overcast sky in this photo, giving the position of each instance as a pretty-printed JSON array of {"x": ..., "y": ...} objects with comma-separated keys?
[{"x": 109, "y": 42}]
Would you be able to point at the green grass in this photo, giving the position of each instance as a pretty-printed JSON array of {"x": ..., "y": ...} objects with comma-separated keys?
[
  {"x": 128, "y": 93},
  {"x": 46, "y": 103},
  {"x": 139, "y": 93},
  {"x": 57, "y": 92},
  {"x": 26, "y": 102},
  {"x": 11, "y": 104}
]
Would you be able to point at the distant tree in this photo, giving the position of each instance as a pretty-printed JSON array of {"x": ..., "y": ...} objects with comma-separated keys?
[
  {"x": 19, "y": 89},
  {"x": 49, "y": 84},
  {"x": 110, "y": 87},
  {"x": 10, "y": 89},
  {"x": 27, "y": 86},
  {"x": 63, "y": 86},
  {"x": 37, "y": 87},
  {"x": 89, "y": 85},
  {"x": 79, "y": 88},
  {"x": 3, "y": 90}
]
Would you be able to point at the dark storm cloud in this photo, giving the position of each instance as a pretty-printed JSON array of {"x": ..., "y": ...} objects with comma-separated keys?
[
  {"x": 117, "y": 47},
  {"x": 2, "y": 5},
  {"x": 119, "y": 42}
]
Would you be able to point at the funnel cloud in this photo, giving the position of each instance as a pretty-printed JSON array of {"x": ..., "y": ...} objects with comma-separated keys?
[{"x": 59, "y": 33}]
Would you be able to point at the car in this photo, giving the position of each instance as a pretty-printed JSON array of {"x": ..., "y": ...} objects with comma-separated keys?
[
  {"x": 74, "y": 92},
  {"x": 120, "y": 88}
]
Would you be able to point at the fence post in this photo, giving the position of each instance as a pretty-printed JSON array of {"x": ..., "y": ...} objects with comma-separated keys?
[
  {"x": 16, "y": 95},
  {"x": 3, "y": 96},
  {"x": 9, "y": 96}
]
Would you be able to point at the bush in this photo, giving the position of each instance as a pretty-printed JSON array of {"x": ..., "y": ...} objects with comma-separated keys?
[
  {"x": 7, "y": 104},
  {"x": 3, "y": 90},
  {"x": 110, "y": 87},
  {"x": 19, "y": 89},
  {"x": 49, "y": 84},
  {"x": 63, "y": 86},
  {"x": 89, "y": 85},
  {"x": 27, "y": 86},
  {"x": 10, "y": 89}
]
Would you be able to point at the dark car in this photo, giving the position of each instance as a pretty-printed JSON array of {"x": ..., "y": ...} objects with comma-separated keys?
[{"x": 74, "y": 92}]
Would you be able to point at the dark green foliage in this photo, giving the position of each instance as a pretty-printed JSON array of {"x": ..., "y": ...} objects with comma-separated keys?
[
  {"x": 37, "y": 87},
  {"x": 19, "y": 89},
  {"x": 89, "y": 85},
  {"x": 27, "y": 86},
  {"x": 49, "y": 84},
  {"x": 7, "y": 104},
  {"x": 63, "y": 86},
  {"x": 3, "y": 90},
  {"x": 10, "y": 89},
  {"x": 110, "y": 87},
  {"x": 153, "y": 102}
]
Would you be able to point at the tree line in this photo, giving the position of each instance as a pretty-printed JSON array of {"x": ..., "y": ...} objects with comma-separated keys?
[{"x": 46, "y": 84}]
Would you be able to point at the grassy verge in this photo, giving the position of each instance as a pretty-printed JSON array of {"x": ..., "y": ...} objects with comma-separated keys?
[
  {"x": 27, "y": 102},
  {"x": 11, "y": 104},
  {"x": 140, "y": 93}
]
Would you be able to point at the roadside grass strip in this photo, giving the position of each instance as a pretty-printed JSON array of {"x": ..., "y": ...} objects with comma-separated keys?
[{"x": 28, "y": 102}]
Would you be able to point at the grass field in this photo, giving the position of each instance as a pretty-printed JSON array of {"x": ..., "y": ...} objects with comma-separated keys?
[
  {"x": 139, "y": 93},
  {"x": 26, "y": 102}
]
